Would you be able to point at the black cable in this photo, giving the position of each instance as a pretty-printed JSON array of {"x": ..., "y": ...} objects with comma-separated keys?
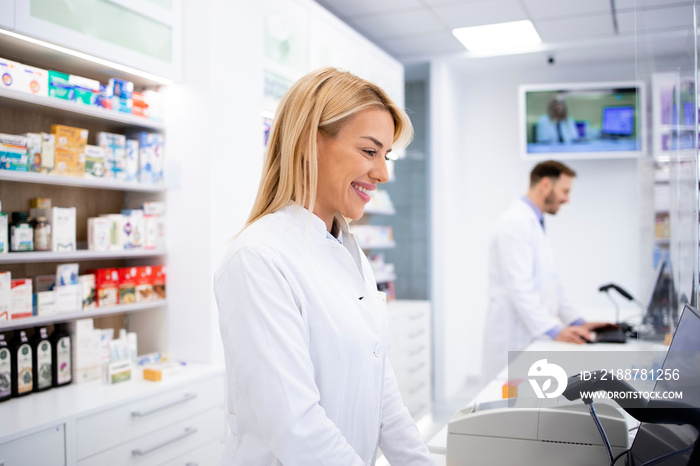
[
  {"x": 620, "y": 456},
  {"x": 608, "y": 448}
]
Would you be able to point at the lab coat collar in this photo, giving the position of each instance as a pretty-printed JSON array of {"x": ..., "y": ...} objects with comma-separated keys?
[{"x": 302, "y": 217}]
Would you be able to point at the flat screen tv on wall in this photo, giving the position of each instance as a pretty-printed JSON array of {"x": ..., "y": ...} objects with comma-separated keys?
[{"x": 595, "y": 120}]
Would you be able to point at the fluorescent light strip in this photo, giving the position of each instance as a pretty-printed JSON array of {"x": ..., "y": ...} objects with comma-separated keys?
[
  {"x": 85, "y": 56},
  {"x": 515, "y": 34}
]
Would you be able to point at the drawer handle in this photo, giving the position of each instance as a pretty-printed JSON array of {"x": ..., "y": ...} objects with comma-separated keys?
[
  {"x": 416, "y": 368},
  {"x": 418, "y": 350},
  {"x": 416, "y": 316},
  {"x": 416, "y": 333},
  {"x": 187, "y": 432},
  {"x": 417, "y": 388},
  {"x": 146, "y": 412}
]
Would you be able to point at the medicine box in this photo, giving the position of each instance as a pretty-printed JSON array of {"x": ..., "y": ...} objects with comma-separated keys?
[
  {"x": 139, "y": 105},
  {"x": 151, "y": 157},
  {"x": 67, "y": 274},
  {"x": 120, "y": 93},
  {"x": 9, "y": 71},
  {"x": 68, "y": 298},
  {"x": 69, "y": 162},
  {"x": 87, "y": 363},
  {"x": 45, "y": 303},
  {"x": 33, "y": 80},
  {"x": 86, "y": 90},
  {"x": 4, "y": 239},
  {"x": 48, "y": 150},
  {"x": 99, "y": 234},
  {"x": 5, "y": 295},
  {"x": 159, "y": 278},
  {"x": 13, "y": 152},
  {"x": 144, "y": 284},
  {"x": 70, "y": 137},
  {"x": 34, "y": 141},
  {"x": 106, "y": 286},
  {"x": 94, "y": 161},
  {"x": 127, "y": 285},
  {"x": 114, "y": 146},
  {"x": 87, "y": 291},
  {"x": 60, "y": 86},
  {"x": 133, "y": 228},
  {"x": 21, "y": 298},
  {"x": 160, "y": 370},
  {"x": 63, "y": 226},
  {"x": 132, "y": 161},
  {"x": 116, "y": 231},
  {"x": 44, "y": 283}
]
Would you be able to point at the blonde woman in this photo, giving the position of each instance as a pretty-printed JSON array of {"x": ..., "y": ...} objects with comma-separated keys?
[{"x": 303, "y": 326}]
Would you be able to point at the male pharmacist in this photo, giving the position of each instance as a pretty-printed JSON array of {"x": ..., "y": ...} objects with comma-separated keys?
[{"x": 526, "y": 300}]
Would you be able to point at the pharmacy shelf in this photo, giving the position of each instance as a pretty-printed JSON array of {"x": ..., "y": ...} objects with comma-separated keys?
[
  {"x": 37, "y": 321},
  {"x": 8, "y": 96},
  {"x": 94, "y": 183},
  {"x": 79, "y": 255}
]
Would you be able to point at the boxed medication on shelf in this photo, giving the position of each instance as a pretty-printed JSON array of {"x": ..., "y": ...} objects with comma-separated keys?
[
  {"x": 44, "y": 282},
  {"x": 34, "y": 143},
  {"x": 102, "y": 100},
  {"x": 114, "y": 146},
  {"x": 33, "y": 80},
  {"x": 85, "y": 90},
  {"x": 132, "y": 161},
  {"x": 4, "y": 238},
  {"x": 9, "y": 71},
  {"x": 60, "y": 86},
  {"x": 21, "y": 298},
  {"x": 116, "y": 231},
  {"x": 151, "y": 157},
  {"x": 13, "y": 152},
  {"x": 94, "y": 161},
  {"x": 107, "y": 287},
  {"x": 140, "y": 107},
  {"x": 5, "y": 295},
  {"x": 87, "y": 291},
  {"x": 69, "y": 150},
  {"x": 163, "y": 369},
  {"x": 67, "y": 274},
  {"x": 133, "y": 228},
  {"x": 144, "y": 284},
  {"x": 159, "y": 278},
  {"x": 45, "y": 303},
  {"x": 68, "y": 298},
  {"x": 119, "y": 91},
  {"x": 87, "y": 361},
  {"x": 48, "y": 151},
  {"x": 99, "y": 233},
  {"x": 127, "y": 285},
  {"x": 63, "y": 226}
]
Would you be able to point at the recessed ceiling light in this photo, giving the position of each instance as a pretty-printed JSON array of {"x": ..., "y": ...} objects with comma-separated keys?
[{"x": 515, "y": 34}]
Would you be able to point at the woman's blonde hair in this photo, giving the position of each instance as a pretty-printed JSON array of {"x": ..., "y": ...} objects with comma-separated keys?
[{"x": 322, "y": 101}]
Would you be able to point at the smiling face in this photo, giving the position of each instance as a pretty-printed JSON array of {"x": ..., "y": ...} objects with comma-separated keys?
[{"x": 351, "y": 163}]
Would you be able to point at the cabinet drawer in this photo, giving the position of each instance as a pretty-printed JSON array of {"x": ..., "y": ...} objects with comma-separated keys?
[
  {"x": 108, "y": 428},
  {"x": 23, "y": 451},
  {"x": 208, "y": 454},
  {"x": 166, "y": 443}
]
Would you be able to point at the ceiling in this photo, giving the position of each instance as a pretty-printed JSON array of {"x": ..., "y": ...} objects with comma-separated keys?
[{"x": 575, "y": 30}]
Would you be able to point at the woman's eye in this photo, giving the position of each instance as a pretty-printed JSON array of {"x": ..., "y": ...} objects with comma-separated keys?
[{"x": 370, "y": 152}]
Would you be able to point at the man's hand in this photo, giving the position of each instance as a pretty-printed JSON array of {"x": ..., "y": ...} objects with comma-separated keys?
[{"x": 574, "y": 334}]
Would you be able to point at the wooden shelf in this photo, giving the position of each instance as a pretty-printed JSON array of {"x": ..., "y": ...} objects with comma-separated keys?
[
  {"x": 81, "y": 314},
  {"x": 80, "y": 255},
  {"x": 22, "y": 99}
]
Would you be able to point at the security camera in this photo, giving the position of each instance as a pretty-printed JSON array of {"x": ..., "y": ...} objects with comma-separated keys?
[{"x": 551, "y": 60}]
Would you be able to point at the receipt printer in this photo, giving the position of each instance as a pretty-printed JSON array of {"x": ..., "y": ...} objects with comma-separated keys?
[{"x": 533, "y": 432}]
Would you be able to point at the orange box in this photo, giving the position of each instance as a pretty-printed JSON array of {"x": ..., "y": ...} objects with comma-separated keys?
[
  {"x": 159, "y": 278},
  {"x": 144, "y": 284},
  {"x": 70, "y": 137},
  {"x": 69, "y": 162}
]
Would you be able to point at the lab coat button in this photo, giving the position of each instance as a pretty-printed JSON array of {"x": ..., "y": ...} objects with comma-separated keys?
[{"x": 378, "y": 351}]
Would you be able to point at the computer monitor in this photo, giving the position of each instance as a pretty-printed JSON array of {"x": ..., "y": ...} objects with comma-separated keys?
[
  {"x": 618, "y": 121},
  {"x": 683, "y": 358},
  {"x": 662, "y": 307}
]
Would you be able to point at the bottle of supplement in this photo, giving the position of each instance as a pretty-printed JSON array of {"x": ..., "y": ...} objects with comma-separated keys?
[
  {"x": 5, "y": 369},
  {"x": 21, "y": 365},
  {"x": 21, "y": 233},
  {"x": 42, "y": 359},
  {"x": 61, "y": 366},
  {"x": 42, "y": 234}
]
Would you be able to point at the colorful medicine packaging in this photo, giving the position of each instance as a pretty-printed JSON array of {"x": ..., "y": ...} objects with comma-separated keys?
[
  {"x": 21, "y": 298},
  {"x": 106, "y": 286},
  {"x": 114, "y": 146},
  {"x": 69, "y": 152},
  {"x": 13, "y": 152}
]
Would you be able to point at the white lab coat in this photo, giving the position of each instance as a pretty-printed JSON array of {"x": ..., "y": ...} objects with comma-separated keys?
[
  {"x": 525, "y": 296},
  {"x": 546, "y": 130},
  {"x": 305, "y": 338}
]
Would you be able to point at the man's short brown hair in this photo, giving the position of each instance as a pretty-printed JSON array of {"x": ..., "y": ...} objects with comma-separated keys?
[{"x": 549, "y": 169}]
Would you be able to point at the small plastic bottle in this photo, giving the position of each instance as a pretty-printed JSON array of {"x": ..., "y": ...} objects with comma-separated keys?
[
  {"x": 42, "y": 234},
  {"x": 21, "y": 233}
]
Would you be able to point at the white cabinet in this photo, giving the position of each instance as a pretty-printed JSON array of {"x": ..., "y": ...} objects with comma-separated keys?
[
  {"x": 409, "y": 353},
  {"x": 24, "y": 451}
]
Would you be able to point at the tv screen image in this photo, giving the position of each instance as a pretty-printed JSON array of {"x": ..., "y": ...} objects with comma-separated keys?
[{"x": 582, "y": 120}]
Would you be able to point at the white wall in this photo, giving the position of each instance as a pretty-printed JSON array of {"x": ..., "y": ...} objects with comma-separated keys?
[{"x": 476, "y": 174}]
